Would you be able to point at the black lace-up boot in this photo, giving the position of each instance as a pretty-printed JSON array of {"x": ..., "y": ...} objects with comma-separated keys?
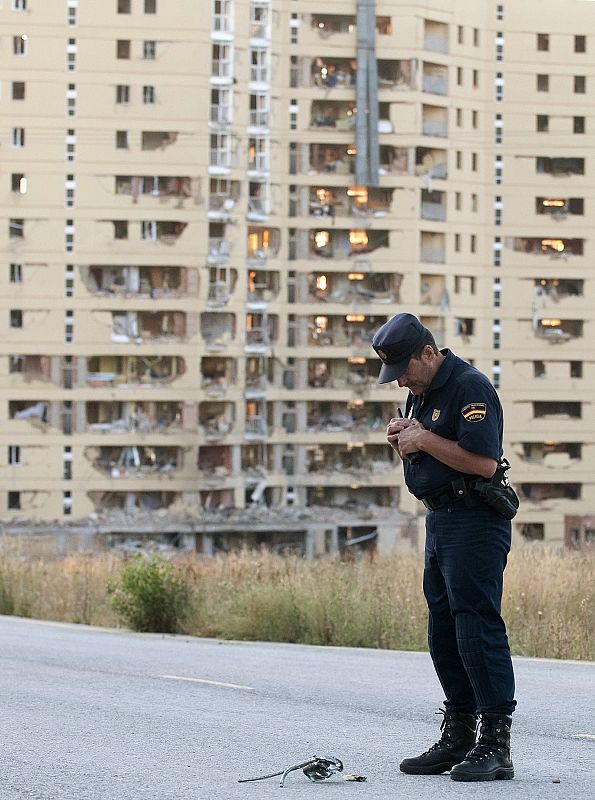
[
  {"x": 489, "y": 760},
  {"x": 458, "y": 737}
]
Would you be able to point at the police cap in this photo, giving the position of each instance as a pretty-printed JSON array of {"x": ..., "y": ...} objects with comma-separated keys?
[{"x": 395, "y": 342}]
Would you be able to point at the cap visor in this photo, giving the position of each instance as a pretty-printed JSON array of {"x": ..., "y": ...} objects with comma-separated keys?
[{"x": 392, "y": 372}]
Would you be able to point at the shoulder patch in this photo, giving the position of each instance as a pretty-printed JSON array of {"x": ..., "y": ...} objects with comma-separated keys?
[{"x": 474, "y": 412}]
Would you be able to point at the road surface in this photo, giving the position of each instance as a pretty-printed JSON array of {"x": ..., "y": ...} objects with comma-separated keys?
[{"x": 94, "y": 714}]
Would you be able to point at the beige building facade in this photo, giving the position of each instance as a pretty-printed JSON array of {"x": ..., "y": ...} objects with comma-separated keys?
[{"x": 208, "y": 208}]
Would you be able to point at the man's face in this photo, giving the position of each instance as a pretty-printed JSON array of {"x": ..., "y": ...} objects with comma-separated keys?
[{"x": 419, "y": 374}]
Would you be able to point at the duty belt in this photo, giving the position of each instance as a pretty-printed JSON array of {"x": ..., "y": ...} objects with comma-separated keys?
[{"x": 456, "y": 494}]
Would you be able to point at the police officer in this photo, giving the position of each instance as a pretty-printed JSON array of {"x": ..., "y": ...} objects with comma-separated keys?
[{"x": 450, "y": 435}]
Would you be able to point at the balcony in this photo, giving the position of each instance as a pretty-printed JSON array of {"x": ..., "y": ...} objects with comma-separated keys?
[
  {"x": 331, "y": 159},
  {"x": 220, "y": 116},
  {"x": 217, "y": 375},
  {"x": 432, "y": 291},
  {"x": 435, "y": 79},
  {"x": 337, "y": 114},
  {"x": 221, "y": 161},
  {"x": 341, "y": 115},
  {"x": 435, "y": 36},
  {"x": 214, "y": 463},
  {"x": 551, "y": 455},
  {"x": 137, "y": 186},
  {"x": 355, "y": 201},
  {"x": 217, "y": 330},
  {"x": 363, "y": 461},
  {"x": 258, "y": 158},
  {"x": 132, "y": 503},
  {"x": 262, "y": 245},
  {"x": 355, "y": 416},
  {"x": 133, "y": 417},
  {"x": 559, "y": 167},
  {"x": 148, "y": 326},
  {"x": 552, "y": 248},
  {"x": 432, "y": 248},
  {"x": 540, "y": 493},
  {"x": 135, "y": 372},
  {"x": 153, "y": 282},
  {"x": 340, "y": 244},
  {"x": 219, "y": 244},
  {"x": 165, "y": 232},
  {"x": 135, "y": 462},
  {"x": 30, "y": 369},
  {"x": 356, "y": 373},
  {"x": 221, "y": 65},
  {"x": 558, "y": 331},
  {"x": 329, "y": 25},
  {"x": 434, "y": 121},
  {"x": 353, "y": 286},
  {"x": 260, "y": 117},
  {"x": 255, "y": 428},
  {"x": 433, "y": 205},
  {"x": 263, "y": 287},
  {"x": 258, "y": 208},
  {"x": 431, "y": 164},
  {"x": 332, "y": 73},
  {"x": 216, "y": 419},
  {"x": 261, "y": 332},
  {"x": 559, "y": 208},
  {"x": 350, "y": 330}
]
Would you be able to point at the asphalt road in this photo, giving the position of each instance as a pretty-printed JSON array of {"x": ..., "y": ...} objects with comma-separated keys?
[{"x": 89, "y": 714}]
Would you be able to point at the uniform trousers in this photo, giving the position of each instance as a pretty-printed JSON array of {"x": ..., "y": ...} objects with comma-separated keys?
[{"x": 465, "y": 556}]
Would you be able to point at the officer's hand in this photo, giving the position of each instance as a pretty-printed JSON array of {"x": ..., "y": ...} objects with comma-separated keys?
[
  {"x": 409, "y": 439},
  {"x": 394, "y": 429}
]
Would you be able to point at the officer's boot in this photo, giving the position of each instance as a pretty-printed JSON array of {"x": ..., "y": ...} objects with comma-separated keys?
[
  {"x": 458, "y": 737},
  {"x": 489, "y": 760}
]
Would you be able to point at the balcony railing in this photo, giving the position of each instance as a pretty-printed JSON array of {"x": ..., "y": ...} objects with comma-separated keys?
[
  {"x": 221, "y": 69},
  {"x": 255, "y": 426},
  {"x": 434, "y": 211},
  {"x": 434, "y": 128},
  {"x": 433, "y": 255},
  {"x": 220, "y": 115},
  {"x": 434, "y": 84},
  {"x": 438, "y": 44},
  {"x": 259, "y": 118}
]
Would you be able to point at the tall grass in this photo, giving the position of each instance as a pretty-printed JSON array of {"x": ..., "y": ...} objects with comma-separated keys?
[{"x": 549, "y": 598}]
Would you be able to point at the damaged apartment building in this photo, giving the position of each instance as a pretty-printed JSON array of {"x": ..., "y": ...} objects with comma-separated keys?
[{"x": 216, "y": 212}]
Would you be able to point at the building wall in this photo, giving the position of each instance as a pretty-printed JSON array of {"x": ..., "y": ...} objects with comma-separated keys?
[{"x": 186, "y": 313}]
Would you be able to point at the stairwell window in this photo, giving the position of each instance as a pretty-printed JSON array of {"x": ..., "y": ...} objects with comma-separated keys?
[
  {"x": 18, "y": 90},
  {"x": 580, "y": 84},
  {"x": 149, "y": 230},
  {"x": 16, "y": 273},
  {"x": 580, "y": 44},
  {"x": 19, "y": 44},
  {"x": 542, "y": 123},
  {"x": 14, "y": 455},
  {"x": 16, "y": 318},
  {"x": 14, "y": 501},
  {"x": 123, "y": 6},
  {"x": 149, "y": 95},
  {"x": 123, "y": 48},
  {"x": 122, "y": 94},
  {"x": 543, "y": 83},
  {"x": 543, "y": 41},
  {"x": 578, "y": 125},
  {"x": 150, "y": 50},
  {"x": 150, "y": 6}
]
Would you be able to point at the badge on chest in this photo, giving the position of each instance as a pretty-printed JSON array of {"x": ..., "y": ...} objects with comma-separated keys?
[{"x": 435, "y": 414}]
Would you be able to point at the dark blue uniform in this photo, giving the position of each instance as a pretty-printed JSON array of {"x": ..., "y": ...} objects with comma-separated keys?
[{"x": 467, "y": 544}]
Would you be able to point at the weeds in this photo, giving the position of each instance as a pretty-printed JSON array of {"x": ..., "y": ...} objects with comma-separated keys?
[
  {"x": 548, "y": 603},
  {"x": 148, "y": 596}
]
